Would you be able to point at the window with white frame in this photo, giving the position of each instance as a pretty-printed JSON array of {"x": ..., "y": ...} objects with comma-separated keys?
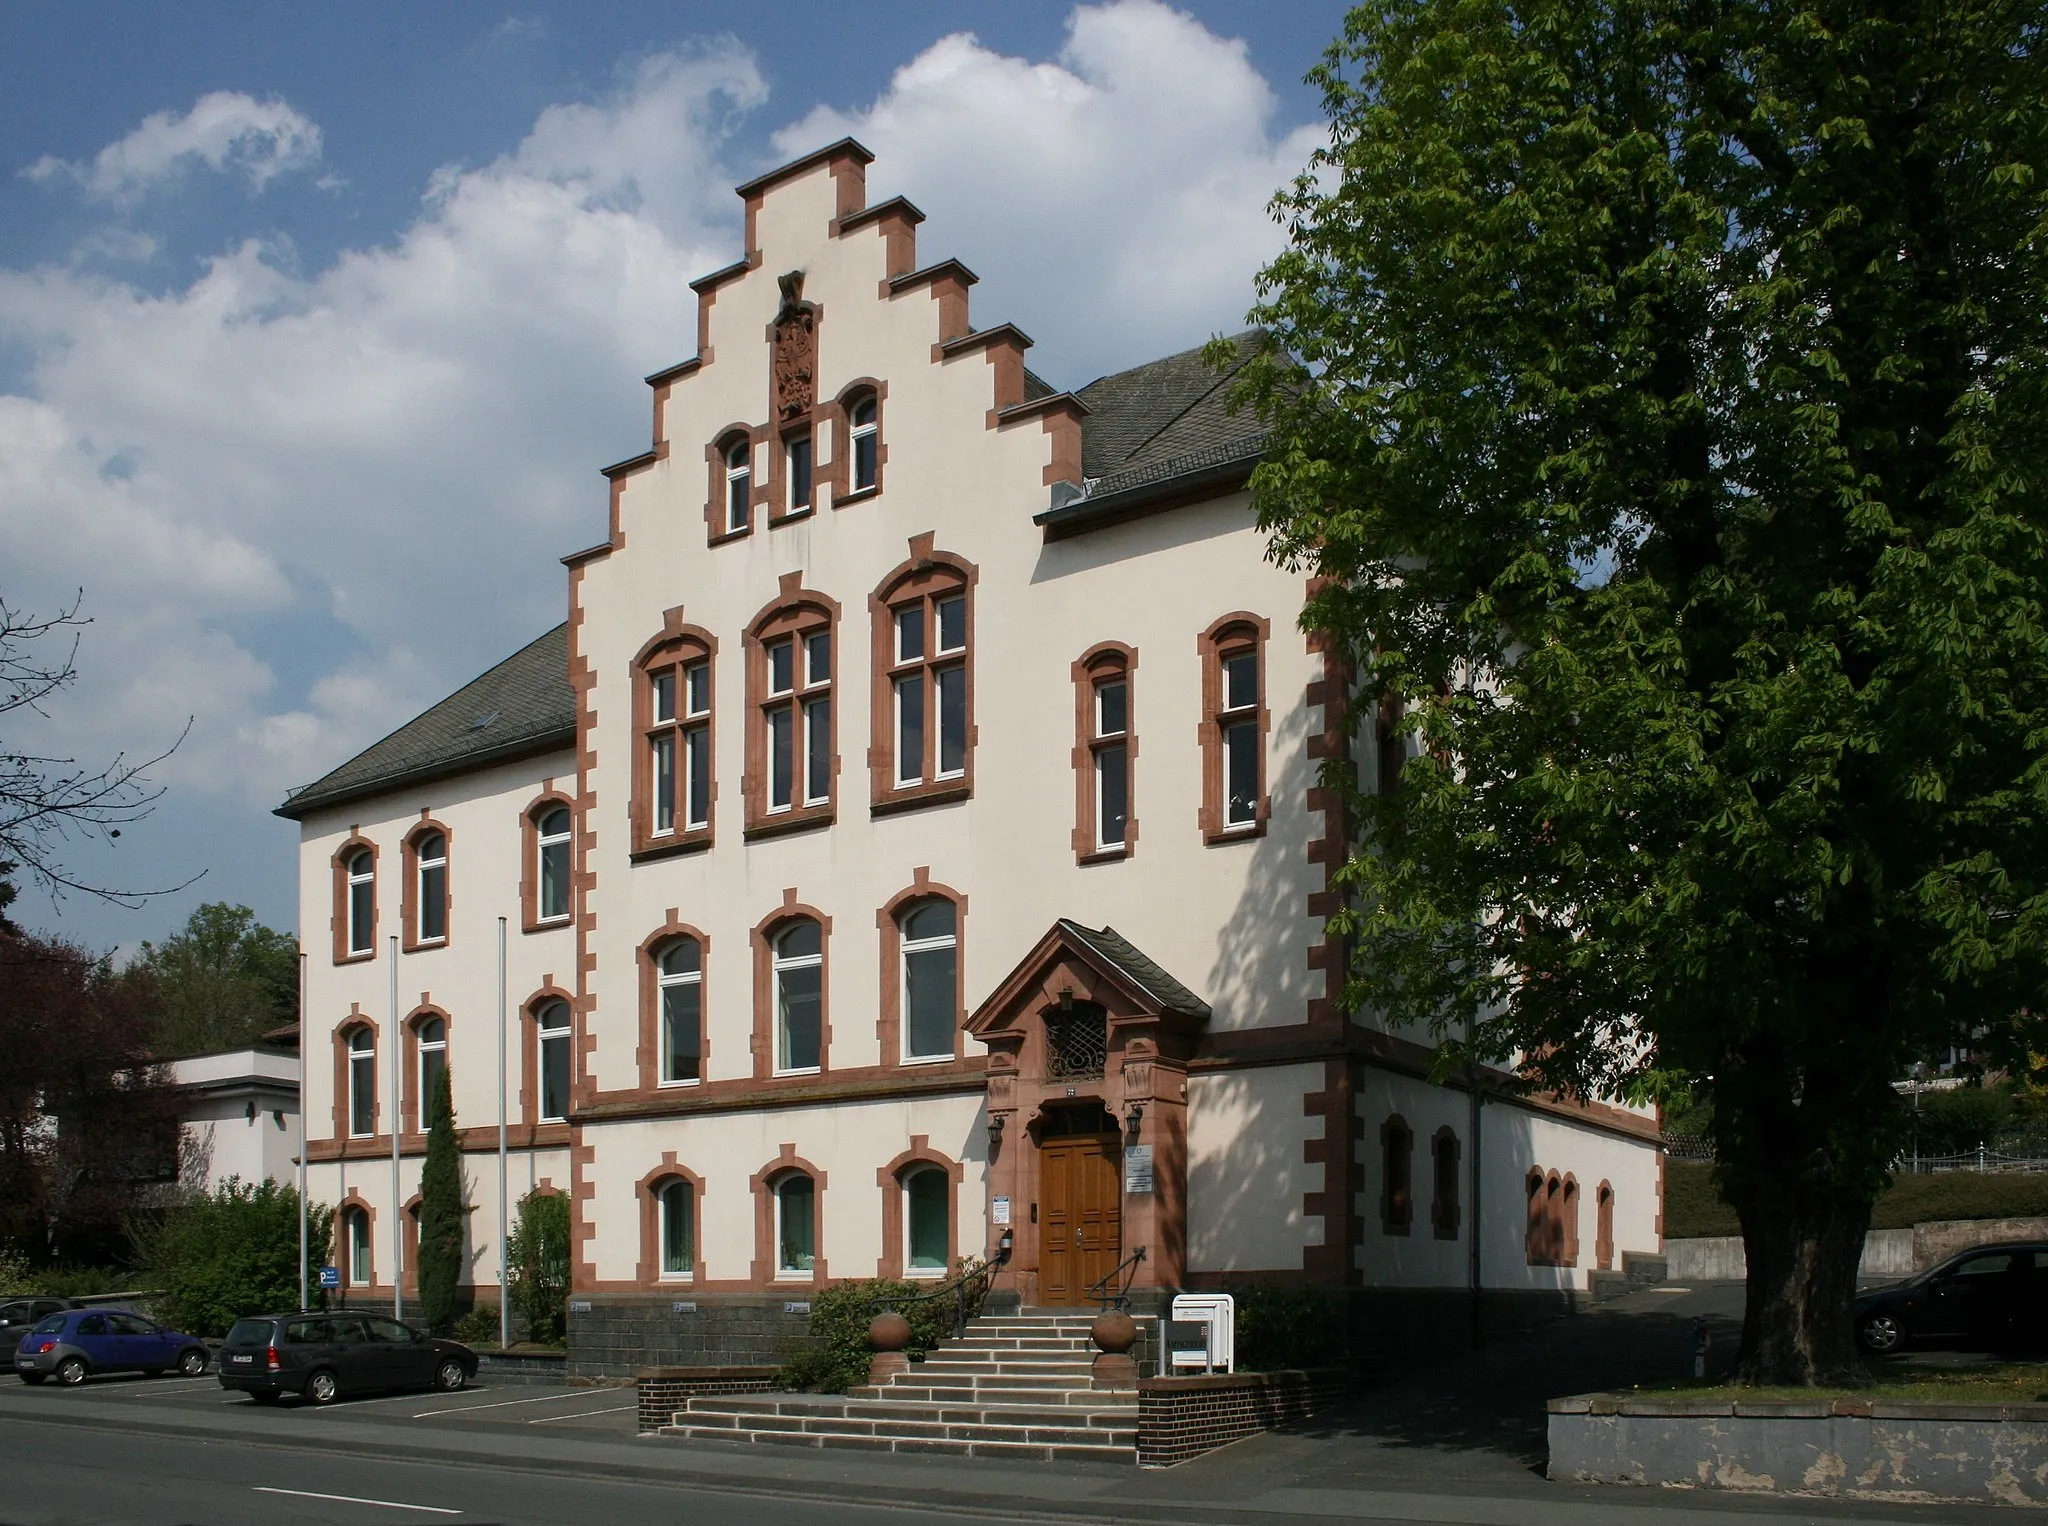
[
  {"x": 356, "y": 1235},
  {"x": 362, "y": 1083},
  {"x": 680, "y": 985},
  {"x": 433, "y": 1047},
  {"x": 796, "y": 1225},
  {"x": 430, "y": 868},
  {"x": 1110, "y": 757},
  {"x": 677, "y": 779},
  {"x": 797, "y": 718},
  {"x": 551, "y": 1025},
  {"x": 797, "y": 461},
  {"x": 928, "y": 684},
  {"x": 927, "y": 1227},
  {"x": 678, "y": 1208},
  {"x": 1239, "y": 724},
  {"x": 798, "y": 972},
  {"x": 865, "y": 436},
  {"x": 739, "y": 484},
  {"x": 551, "y": 849},
  {"x": 929, "y": 936},
  {"x": 362, "y": 902}
]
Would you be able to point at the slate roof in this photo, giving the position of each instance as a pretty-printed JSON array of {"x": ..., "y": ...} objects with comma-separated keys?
[
  {"x": 1165, "y": 419},
  {"x": 522, "y": 706},
  {"x": 1116, "y": 951}
]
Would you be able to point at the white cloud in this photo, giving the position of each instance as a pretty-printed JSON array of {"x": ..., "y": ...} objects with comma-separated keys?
[
  {"x": 224, "y": 131},
  {"x": 305, "y": 504}
]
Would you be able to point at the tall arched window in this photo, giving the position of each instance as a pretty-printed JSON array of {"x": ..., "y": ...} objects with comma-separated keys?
[
  {"x": 1567, "y": 1202},
  {"x": 551, "y": 1037},
  {"x": 678, "y": 1228},
  {"x": 927, "y": 1221},
  {"x": 923, "y": 684},
  {"x": 429, "y": 854},
  {"x": 796, "y": 1225},
  {"x": 1397, "y": 1151},
  {"x": 672, "y": 778},
  {"x": 361, "y": 910},
  {"x": 798, "y": 972},
  {"x": 362, "y": 1083},
  {"x": 680, "y": 983},
  {"x": 1603, "y": 1226},
  {"x": 433, "y": 1046},
  {"x": 551, "y": 863},
  {"x": 929, "y": 936},
  {"x": 738, "y": 456},
  {"x": 1105, "y": 744},
  {"x": 864, "y": 435},
  {"x": 355, "y": 1235},
  {"x": 1233, "y": 727},
  {"x": 1443, "y": 1207},
  {"x": 791, "y": 757}
]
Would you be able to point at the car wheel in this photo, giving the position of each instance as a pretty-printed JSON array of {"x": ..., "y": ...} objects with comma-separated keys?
[
  {"x": 191, "y": 1362},
  {"x": 33, "y": 1378},
  {"x": 449, "y": 1376},
  {"x": 323, "y": 1387},
  {"x": 1880, "y": 1334},
  {"x": 71, "y": 1371}
]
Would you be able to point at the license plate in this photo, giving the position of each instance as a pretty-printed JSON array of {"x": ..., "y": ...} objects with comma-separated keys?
[{"x": 241, "y": 1359}]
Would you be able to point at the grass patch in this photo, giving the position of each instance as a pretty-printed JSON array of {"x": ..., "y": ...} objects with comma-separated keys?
[
  {"x": 1898, "y": 1382},
  {"x": 1693, "y": 1206}
]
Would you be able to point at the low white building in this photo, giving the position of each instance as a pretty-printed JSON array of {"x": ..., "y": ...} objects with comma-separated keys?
[{"x": 239, "y": 1112}]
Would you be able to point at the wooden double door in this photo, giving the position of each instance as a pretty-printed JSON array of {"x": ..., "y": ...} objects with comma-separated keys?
[{"x": 1080, "y": 1232}]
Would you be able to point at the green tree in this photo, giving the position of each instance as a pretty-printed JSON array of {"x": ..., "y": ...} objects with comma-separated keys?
[
  {"x": 220, "y": 982},
  {"x": 1657, "y": 393},
  {"x": 538, "y": 1251},
  {"x": 231, "y": 1252},
  {"x": 443, "y": 1215}
]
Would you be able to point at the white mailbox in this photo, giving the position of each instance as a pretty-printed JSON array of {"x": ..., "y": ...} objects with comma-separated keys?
[{"x": 1203, "y": 1334}]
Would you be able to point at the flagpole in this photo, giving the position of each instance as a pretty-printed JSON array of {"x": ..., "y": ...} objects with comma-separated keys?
[
  {"x": 397, "y": 1121},
  {"x": 302, "y": 1128},
  {"x": 504, "y": 1260}
]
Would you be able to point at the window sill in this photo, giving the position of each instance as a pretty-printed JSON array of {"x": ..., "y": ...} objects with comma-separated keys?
[
  {"x": 654, "y": 848},
  {"x": 913, "y": 796},
  {"x": 808, "y": 1070},
  {"x": 785, "y": 822},
  {"x": 721, "y": 537},
  {"x": 929, "y": 1059},
  {"x": 678, "y": 1279},
  {"x": 362, "y": 958},
  {"x": 552, "y": 924},
  {"x": 858, "y": 495},
  {"x": 1114, "y": 855},
  {"x": 682, "y": 1085},
  {"x": 424, "y": 946},
  {"x": 777, "y": 521},
  {"x": 1248, "y": 833}
]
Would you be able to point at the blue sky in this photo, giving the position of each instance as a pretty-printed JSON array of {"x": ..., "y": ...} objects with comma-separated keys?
[{"x": 300, "y": 306}]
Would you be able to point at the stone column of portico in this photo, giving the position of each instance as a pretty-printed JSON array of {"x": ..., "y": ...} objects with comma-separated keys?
[{"x": 1156, "y": 1085}]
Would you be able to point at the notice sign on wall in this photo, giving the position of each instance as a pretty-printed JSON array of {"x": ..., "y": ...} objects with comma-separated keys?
[
  {"x": 1137, "y": 1169},
  {"x": 999, "y": 1211}
]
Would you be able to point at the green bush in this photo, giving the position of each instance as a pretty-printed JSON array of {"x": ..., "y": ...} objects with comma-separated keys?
[
  {"x": 479, "y": 1327},
  {"x": 444, "y": 1219},
  {"x": 84, "y": 1281},
  {"x": 538, "y": 1249},
  {"x": 1951, "y": 1122},
  {"x": 1280, "y": 1329},
  {"x": 1693, "y": 1206},
  {"x": 232, "y": 1252},
  {"x": 834, "y": 1356}
]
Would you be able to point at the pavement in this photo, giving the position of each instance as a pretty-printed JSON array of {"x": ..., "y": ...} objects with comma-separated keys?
[{"x": 1459, "y": 1440}]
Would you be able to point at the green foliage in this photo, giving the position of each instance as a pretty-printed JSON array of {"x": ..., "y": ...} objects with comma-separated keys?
[
  {"x": 479, "y": 1327},
  {"x": 1280, "y": 1329},
  {"x": 1657, "y": 393},
  {"x": 1950, "y": 1122},
  {"x": 231, "y": 1252},
  {"x": 1693, "y": 1206},
  {"x": 443, "y": 1217},
  {"x": 834, "y": 1355},
  {"x": 84, "y": 1281},
  {"x": 538, "y": 1249},
  {"x": 219, "y": 982},
  {"x": 14, "y": 1271}
]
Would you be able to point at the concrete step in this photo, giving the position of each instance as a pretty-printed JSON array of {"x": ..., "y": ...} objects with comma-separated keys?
[
  {"x": 1107, "y": 1452},
  {"x": 990, "y": 1394}
]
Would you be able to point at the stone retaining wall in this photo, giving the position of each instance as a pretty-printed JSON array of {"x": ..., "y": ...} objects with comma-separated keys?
[
  {"x": 1886, "y": 1252},
  {"x": 1852, "y": 1449},
  {"x": 522, "y": 1366},
  {"x": 661, "y": 1391},
  {"x": 1180, "y": 1418},
  {"x": 615, "y": 1335}
]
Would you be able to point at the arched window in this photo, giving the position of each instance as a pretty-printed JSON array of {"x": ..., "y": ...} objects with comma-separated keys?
[
  {"x": 790, "y": 746},
  {"x": 1443, "y": 1205},
  {"x": 680, "y": 982},
  {"x": 1567, "y": 1202},
  {"x": 355, "y": 1235},
  {"x": 673, "y": 777},
  {"x": 361, "y": 908},
  {"x": 551, "y": 863},
  {"x": 927, "y": 1221},
  {"x": 1603, "y": 1226},
  {"x": 1397, "y": 1150},
  {"x": 864, "y": 435},
  {"x": 429, "y": 854},
  {"x": 551, "y": 1025},
  {"x": 796, "y": 1226},
  {"x": 1546, "y": 1225},
  {"x": 798, "y": 472},
  {"x": 433, "y": 1046},
  {"x": 923, "y": 686},
  {"x": 1104, "y": 746},
  {"x": 1233, "y": 727},
  {"x": 362, "y": 1083},
  {"x": 929, "y": 936},
  {"x": 798, "y": 972},
  {"x": 678, "y": 1228},
  {"x": 738, "y": 458}
]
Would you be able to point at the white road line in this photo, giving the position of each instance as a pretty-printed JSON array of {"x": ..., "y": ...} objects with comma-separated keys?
[
  {"x": 351, "y": 1499},
  {"x": 464, "y": 1409},
  {"x": 183, "y": 1386},
  {"x": 582, "y": 1414}
]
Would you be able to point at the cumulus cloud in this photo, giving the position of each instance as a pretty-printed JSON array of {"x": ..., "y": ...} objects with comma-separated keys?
[{"x": 225, "y": 131}]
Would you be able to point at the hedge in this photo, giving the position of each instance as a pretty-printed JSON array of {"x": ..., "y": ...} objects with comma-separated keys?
[{"x": 1693, "y": 1205}]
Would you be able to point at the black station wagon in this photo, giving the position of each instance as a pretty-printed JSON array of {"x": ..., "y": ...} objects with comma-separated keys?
[
  {"x": 1991, "y": 1298},
  {"x": 321, "y": 1356}
]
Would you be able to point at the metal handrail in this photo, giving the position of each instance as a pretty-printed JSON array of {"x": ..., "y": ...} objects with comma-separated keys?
[
  {"x": 1122, "y": 1298},
  {"x": 957, "y": 1288}
]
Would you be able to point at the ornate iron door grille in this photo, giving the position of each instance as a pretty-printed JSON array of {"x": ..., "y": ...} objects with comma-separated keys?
[{"x": 1076, "y": 1044}]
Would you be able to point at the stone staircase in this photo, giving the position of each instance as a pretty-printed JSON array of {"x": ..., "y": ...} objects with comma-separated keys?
[
  {"x": 1016, "y": 1386},
  {"x": 1637, "y": 1271}
]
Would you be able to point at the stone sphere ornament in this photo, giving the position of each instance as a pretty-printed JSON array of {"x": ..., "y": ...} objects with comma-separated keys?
[
  {"x": 1114, "y": 1332},
  {"x": 889, "y": 1331}
]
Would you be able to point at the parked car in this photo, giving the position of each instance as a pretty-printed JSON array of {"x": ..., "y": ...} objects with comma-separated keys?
[
  {"x": 73, "y": 1345},
  {"x": 1990, "y": 1298},
  {"x": 17, "y": 1314},
  {"x": 321, "y": 1356}
]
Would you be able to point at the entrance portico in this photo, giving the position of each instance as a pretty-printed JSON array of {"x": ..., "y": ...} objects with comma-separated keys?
[{"x": 1088, "y": 1046}]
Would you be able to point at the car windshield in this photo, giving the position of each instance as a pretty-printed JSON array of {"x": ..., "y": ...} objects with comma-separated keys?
[
  {"x": 249, "y": 1332},
  {"x": 50, "y": 1326}
]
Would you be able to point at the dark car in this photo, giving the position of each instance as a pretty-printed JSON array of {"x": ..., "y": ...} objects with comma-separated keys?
[
  {"x": 73, "y": 1345},
  {"x": 321, "y": 1356},
  {"x": 17, "y": 1314},
  {"x": 1992, "y": 1298}
]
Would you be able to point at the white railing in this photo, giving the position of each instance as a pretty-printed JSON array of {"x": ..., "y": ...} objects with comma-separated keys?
[{"x": 1989, "y": 1161}]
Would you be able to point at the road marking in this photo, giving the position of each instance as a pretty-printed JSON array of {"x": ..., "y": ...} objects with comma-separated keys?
[
  {"x": 582, "y": 1414},
  {"x": 351, "y": 1499},
  {"x": 464, "y": 1409},
  {"x": 1670, "y": 1290},
  {"x": 175, "y": 1386}
]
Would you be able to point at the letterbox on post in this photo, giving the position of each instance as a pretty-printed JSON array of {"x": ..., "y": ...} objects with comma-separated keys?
[{"x": 1202, "y": 1335}]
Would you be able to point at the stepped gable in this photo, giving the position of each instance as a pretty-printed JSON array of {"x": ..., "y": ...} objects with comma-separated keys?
[{"x": 522, "y": 706}]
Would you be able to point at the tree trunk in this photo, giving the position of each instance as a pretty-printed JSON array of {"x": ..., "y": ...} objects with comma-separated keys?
[{"x": 1803, "y": 1250}]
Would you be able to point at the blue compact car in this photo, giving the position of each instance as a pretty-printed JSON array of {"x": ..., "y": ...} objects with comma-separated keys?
[{"x": 71, "y": 1346}]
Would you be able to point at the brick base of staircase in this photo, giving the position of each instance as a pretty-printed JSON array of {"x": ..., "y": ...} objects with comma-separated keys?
[{"x": 1018, "y": 1386}]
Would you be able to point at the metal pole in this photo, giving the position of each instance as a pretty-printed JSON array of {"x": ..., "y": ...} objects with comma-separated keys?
[
  {"x": 397, "y": 1121},
  {"x": 303, "y": 1302},
  {"x": 504, "y": 1261},
  {"x": 1473, "y": 1270}
]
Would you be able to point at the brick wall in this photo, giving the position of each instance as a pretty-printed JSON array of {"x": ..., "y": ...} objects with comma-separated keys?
[
  {"x": 661, "y": 1391},
  {"x": 1179, "y": 1418}
]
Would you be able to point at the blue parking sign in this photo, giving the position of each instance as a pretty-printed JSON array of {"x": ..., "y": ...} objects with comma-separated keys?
[{"x": 330, "y": 1276}]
